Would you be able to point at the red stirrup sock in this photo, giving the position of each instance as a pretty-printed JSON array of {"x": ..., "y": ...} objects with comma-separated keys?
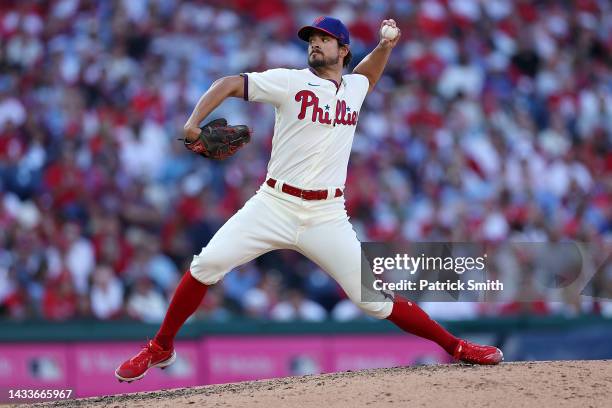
[
  {"x": 409, "y": 317},
  {"x": 187, "y": 297}
]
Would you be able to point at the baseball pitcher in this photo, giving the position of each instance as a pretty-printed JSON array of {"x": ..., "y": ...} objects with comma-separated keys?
[{"x": 300, "y": 205}]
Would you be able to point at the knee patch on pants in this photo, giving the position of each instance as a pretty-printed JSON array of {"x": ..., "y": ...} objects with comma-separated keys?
[
  {"x": 207, "y": 269},
  {"x": 375, "y": 303},
  {"x": 378, "y": 310}
]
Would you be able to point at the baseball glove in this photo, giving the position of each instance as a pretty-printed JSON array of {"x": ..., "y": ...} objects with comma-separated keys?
[{"x": 219, "y": 141}]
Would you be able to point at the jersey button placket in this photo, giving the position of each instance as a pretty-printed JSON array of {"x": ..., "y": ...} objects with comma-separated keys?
[
  {"x": 332, "y": 129},
  {"x": 329, "y": 89},
  {"x": 337, "y": 96}
]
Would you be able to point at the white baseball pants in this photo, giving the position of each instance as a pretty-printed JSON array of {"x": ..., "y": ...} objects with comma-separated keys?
[{"x": 318, "y": 229}]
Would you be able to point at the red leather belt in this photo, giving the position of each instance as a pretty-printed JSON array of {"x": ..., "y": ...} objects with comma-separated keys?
[{"x": 303, "y": 194}]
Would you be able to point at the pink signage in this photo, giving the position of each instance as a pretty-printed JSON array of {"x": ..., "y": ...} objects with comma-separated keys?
[
  {"x": 231, "y": 359},
  {"x": 88, "y": 368},
  {"x": 362, "y": 352},
  {"x": 94, "y": 366},
  {"x": 33, "y": 365}
]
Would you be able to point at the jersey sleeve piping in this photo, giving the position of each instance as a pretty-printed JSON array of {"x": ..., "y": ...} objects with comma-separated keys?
[{"x": 245, "y": 91}]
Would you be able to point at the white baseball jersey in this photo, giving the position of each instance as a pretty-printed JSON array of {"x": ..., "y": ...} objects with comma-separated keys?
[
  {"x": 315, "y": 124},
  {"x": 313, "y": 134}
]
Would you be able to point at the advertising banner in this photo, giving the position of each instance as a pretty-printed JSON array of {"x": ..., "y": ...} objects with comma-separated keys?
[
  {"x": 231, "y": 359},
  {"x": 363, "y": 352},
  {"x": 94, "y": 365},
  {"x": 87, "y": 369}
]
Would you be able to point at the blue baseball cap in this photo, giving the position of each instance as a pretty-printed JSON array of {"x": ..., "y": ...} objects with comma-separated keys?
[{"x": 329, "y": 25}]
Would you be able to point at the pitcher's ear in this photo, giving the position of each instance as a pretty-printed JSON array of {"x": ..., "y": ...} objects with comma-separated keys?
[{"x": 348, "y": 58}]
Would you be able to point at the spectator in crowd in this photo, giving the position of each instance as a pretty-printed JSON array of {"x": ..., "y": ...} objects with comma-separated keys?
[
  {"x": 146, "y": 303},
  {"x": 240, "y": 281},
  {"x": 60, "y": 300},
  {"x": 258, "y": 301},
  {"x": 106, "y": 294},
  {"x": 212, "y": 309},
  {"x": 297, "y": 307}
]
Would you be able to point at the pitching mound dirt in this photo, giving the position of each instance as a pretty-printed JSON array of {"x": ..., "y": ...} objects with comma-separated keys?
[{"x": 532, "y": 384}]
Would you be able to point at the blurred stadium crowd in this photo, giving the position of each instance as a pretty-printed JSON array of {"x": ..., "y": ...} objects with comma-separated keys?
[{"x": 493, "y": 122}]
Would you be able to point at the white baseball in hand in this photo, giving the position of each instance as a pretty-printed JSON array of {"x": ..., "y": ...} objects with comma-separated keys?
[{"x": 389, "y": 32}]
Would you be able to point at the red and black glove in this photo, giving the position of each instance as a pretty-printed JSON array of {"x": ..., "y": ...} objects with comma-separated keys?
[{"x": 219, "y": 141}]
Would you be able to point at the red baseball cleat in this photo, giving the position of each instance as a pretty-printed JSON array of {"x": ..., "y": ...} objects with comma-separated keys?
[
  {"x": 151, "y": 355},
  {"x": 473, "y": 353}
]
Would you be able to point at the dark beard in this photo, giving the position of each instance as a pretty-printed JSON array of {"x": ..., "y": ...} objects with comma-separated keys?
[{"x": 324, "y": 62}]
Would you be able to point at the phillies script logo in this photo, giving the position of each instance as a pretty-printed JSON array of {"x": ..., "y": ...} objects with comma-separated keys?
[{"x": 320, "y": 114}]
